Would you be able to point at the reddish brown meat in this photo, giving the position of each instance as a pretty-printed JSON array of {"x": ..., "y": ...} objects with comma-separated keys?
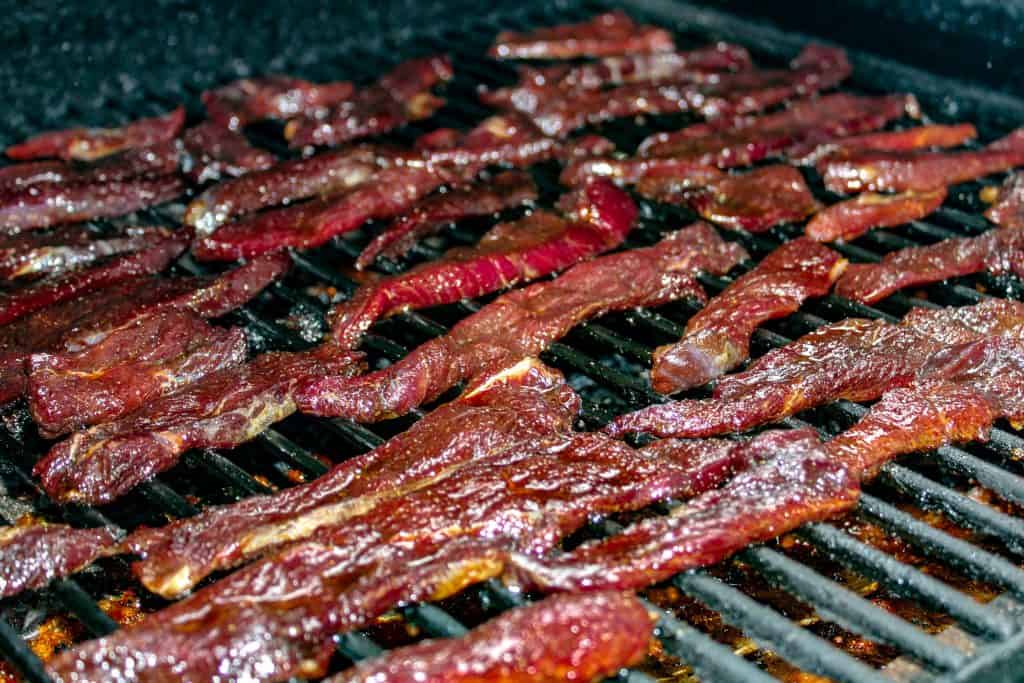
[
  {"x": 158, "y": 255},
  {"x": 909, "y": 139},
  {"x": 504, "y": 191},
  {"x": 216, "y": 152},
  {"x": 663, "y": 178},
  {"x": 997, "y": 251},
  {"x": 565, "y": 637},
  {"x": 35, "y": 554},
  {"x": 272, "y": 97},
  {"x": 401, "y": 95},
  {"x": 611, "y": 33},
  {"x": 596, "y": 218},
  {"x": 745, "y": 140},
  {"x": 755, "y": 201},
  {"x": 855, "y": 359},
  {"x": 530, "y": 318},
  {"x": 717, "y": 338},
  {"x": 900, "y": 171},
  {"x": 34, "y": 254},
  {"x": 851, "y": 218},
  {"x": 147, "y": 162},
  {"x": 135, "y": 364},
  {"x": 88, "y": 144},
  {"x": 1008, "y": 209},
  {"x": 222, "y": 410},
  {"x": 797, "y": 482},
  {"x": 522, "y": 408}
]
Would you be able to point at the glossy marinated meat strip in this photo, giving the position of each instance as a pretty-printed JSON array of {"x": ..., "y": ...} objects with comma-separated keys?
[
  {"x": 157, "y": 160},
  {"x": 1008, "y": 209},
  {"x": 530, "y": 318},
  {"x": 88, "y": 144},
  {"x": 222, "y": 410},
  {"x": 851, "y": 218},
  {"x": 158, "y": 255},
  {"x": 920, "y": 137},
  {"x": 901, "y": 171},
  {"x": 745, "y": 140},
  {"x": 215, "y": 152},
  {"x": 272, "y": 97},
  {"x": 565, "y": 637},
  {"x": 504, "y": 191},
  {"x": 754, "y": 201},
  {"x": 997, "y": 251},
  {"x": 35, "y": 554},
  {"x": 34, "y": 254},
  {"x": 611, "y": 33},
  {"x": 521, "y": 408},
  {"x": 717, "y": 338},
  {"x": 795, "y": 482},
  {"x": 391, "y": 191},
  {"x": 856, "y": 359},
  {"x": 816, "y": 68},
  {"x": 400, "y": 96},
  {"x": 594, "y": 219},
  {"x": 661, "y": 178},
  {"x": 152, "y": 356}
]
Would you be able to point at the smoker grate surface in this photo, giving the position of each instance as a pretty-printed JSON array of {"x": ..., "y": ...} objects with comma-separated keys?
[{"x": 929, "y": 503}]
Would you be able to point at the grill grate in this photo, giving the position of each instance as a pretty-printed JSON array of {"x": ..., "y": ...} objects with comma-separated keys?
[{"x": 602, "y": 359}]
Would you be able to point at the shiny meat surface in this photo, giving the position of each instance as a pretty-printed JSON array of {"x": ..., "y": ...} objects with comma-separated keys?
[
  {"x": 1008, "y": 209},
  {"x": 35, "y": 254},
  {"x": 611, "y": 33},
  {"x": 997, "y": 251},
  {"x": 661, "y": 178},
  {"x": 755, "y": 201},
  {"x": 215, "y": 152},
  {"x": 565, "y": 637},
  {"x": 920, "y": 137},
  {"x": 851, "y": 218},
  {"x": 532, "y": 318},
  {"x": 88, "y": 144},
  {"x": 594, "y": 219},
  {"x": 247, "y": 100},
  {"x": 157, "y": 160},
  {"x": 717, "y": 338},
  {"x": 35, "y": 554}
]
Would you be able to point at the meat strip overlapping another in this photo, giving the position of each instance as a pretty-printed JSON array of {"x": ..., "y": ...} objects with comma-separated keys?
[
  {"x": 717, "y": 338},
  {"x": 611, "y": 33},
  {"x": 1008, "y": 209},
  {"x": 754, "y": 201},
  {"x": 213, "y": 152},
  {"x": 244, "y": 101},
  {"x": 851, "y": 218},
  {"x": 35, "y": 554},
  {"x": 997, "y": 251},
  {"x": 564, "y": 637},
  {"x": 530, "y": 318},
  {"x": 89, "y": 144},
  {"x": 30, "y": 255},
  {"x": 920, "y": 137},
  {"x": 855, "y": 359},
  {"x": 595, "y": 218},
  {"x": 157, "y": 160}
]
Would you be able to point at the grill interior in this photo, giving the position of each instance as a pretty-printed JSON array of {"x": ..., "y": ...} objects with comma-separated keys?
[{"x": 920, "y": 581}]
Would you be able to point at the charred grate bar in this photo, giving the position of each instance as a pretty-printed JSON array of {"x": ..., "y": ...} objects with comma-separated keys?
[{"x": 588, "y": 352}]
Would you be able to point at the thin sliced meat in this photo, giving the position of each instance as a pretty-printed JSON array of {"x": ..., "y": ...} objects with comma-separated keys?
[
  {"x": 215, "y": 152},
  {"x": 161, "y": 159},
  {"x": 35, "y": 554},
  {"x": 1008, "y": 209},
  {"x": 851, "y": 218},
  {"x": 611, "y": 33},
  {"x": 661, "y": 178},
  {"x": 921, "y": 137},
  {"x": 244, "y": 101},
  {"x": 34, "y": 254},
  {"x": 717, "y": 338},
  {"x": 754, "y": 201}
]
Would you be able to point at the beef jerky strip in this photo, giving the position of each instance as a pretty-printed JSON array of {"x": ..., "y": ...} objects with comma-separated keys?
[
  {"x": 35, "y": 554},
  {"x": 135, "y": 364},
  {"x": 908, "y": 139},
  {"x": 745, "y": 140},
  {"x": 900, "y": 171},
  {"x": 33, "y": 254},
  {"x": 745, "y": 92},
  {"x": 247, "y": 100},
  {"x": 504, "y": 191},
  {"x": 88, "y": 144},
  {"x": 521, "y": 408},
  {"x": 222, "y": 410},
  {"x": 997, "y": 251},
  {"x": 157, "y": 256},
  {"x": 851, "y": 218},
  {"x": 390, "y": 192},
  {"x": 157, "y": 160},
  {"x": 717, "y": 338},
  {"x": 1008, "y": 209},
  {"x": 531, "y": 318},
  {"x": 564, "y": 637},
  {"x": 797, "y": 483},
  {"x": 754, "y": 201},
  {"x": 594, "y": 219},
  {"x": 214, "y": 152},
  {"x": 611, "y": 33},
  {"x": 659, "y": 177},
  {"x": 400, "y": 96},
  {"x": 856, "y": 359}
]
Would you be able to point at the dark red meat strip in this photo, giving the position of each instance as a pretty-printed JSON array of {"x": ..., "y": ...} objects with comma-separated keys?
[
  {"x": 611, "y": 33},
  {"x": 1008, "y": 209},
  {"x": 920, "y": 137},
  {"x": 34, "y": 254},
  {"x": 215, "y": 152},
  {"x": 272, "y": 97},
  {"x": 755, "y": 201},
  {"x": 661, "y": 178},
  {"x": 35, "y": 554},
  {"x": 852, "y": 218},
  {"x": 157, "y": 160}
]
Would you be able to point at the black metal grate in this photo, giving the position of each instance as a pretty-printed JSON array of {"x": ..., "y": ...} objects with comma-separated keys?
[{"x": 603, "y": 361}]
